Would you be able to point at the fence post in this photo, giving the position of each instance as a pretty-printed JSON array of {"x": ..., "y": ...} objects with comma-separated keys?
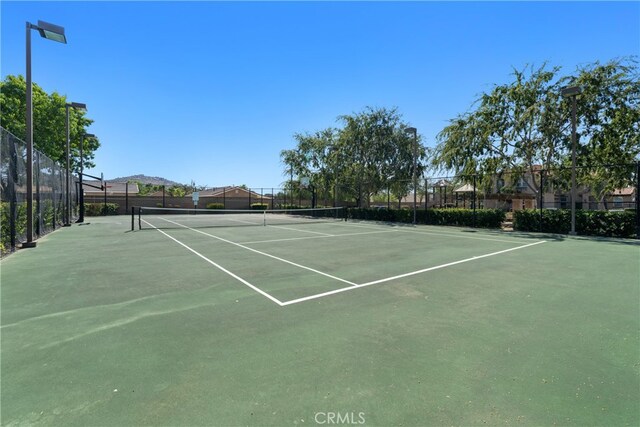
[
  {"x": 105, "y": 198},
  {"x": 388, "y": 197},
  {"x": 426, "y": 197},
  {"x": 541, "y": 197},
  {"x": 54, "y": 205},
  {"x": 474, "y": 200},
  {"x": 637, "y": 200},
  {"x": 126, "y": 198},
  {"x": 38, "y": 202},
  {"x": 163, "y": 196},
  {"x": 13, "y": 199}
]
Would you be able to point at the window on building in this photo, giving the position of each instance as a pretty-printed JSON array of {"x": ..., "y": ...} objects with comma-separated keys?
[
  {"x": 617, "y": 202},
  {"x": 560, "y": 201},
  {"x": 522, "y": 184}
]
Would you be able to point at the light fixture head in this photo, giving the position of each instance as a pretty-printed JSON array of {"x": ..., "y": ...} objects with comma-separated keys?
[
  {"x": 568, "y": 91},
  {"x": 411, "y": 130},
  {"x": 77, "y": 105},
  {"x": 52, "y": 32}
]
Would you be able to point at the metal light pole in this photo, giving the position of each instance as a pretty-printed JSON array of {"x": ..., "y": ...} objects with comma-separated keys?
[
  {"x": 572, "y": 92},
  {"x": 81, "y": 194},
  {"x": 55, "y": 33},
  {"x": 77, "y": 106},
  {"x": 414, "y": 131}
]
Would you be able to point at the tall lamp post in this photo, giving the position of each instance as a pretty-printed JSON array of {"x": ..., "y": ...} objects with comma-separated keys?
[
  {"x": 572, "y": 92},
  {"x": 81, "y": 189},
  {"x": 76, "y": 106},
  {"x": 414, "y": 131},
  {"x": 55, "y": 33}
]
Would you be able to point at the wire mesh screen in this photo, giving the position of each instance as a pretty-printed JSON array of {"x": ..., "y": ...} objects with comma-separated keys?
[
  {"x": 601, "y": 187},
  {"x": 48, "y": 193}
]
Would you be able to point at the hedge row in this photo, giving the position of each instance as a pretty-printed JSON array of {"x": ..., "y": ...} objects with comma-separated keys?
[
  {"x": 215, "y": 206},
  {"x": 588, "y": 223},
  {"x": 484, "y": 218},
  {"x": 98, "y": 209},
  {"x": 5, "y": 225}
]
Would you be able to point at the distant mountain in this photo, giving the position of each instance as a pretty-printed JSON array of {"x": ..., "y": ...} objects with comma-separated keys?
[{"x": 155, "y": 180}]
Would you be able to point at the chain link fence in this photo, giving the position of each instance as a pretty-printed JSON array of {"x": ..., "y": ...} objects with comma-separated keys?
[{"x": 49, "y": 193}]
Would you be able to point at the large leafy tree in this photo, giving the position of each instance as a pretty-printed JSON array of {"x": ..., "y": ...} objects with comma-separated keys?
[
  {"x": 514, "y": 127},
  {"x": 49, "y": 121},
  {"x": 521, "y": 126},
  {"x": 315, "y": 158},
  {"x": 609, "y": 117},
  {"x": 371, "y": 152}
]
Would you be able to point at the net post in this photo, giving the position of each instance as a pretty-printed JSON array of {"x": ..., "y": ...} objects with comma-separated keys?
[
  {"x": 264, "y": 218},
  {"x": 133, "y": 219},
  {"x": 139, "y": 218}
]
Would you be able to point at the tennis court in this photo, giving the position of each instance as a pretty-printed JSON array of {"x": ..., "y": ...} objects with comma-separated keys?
[{"x": 305, "y": 320}]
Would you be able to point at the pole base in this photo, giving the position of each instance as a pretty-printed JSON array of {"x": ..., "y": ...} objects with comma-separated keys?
[
  {"x": 26, "y": 245},
  {"x": 66, "y": 225},
  {"x": 573, "y": 233}
]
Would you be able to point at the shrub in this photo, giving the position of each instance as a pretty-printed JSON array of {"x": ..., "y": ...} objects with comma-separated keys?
[
  {"x": 5, "y": 224},
  {"x": 215, "y": 206},
  {"x": 484, "y": 218},
  {"x": 259, "y": 206},
  {"x": 588, "y": 223},
  {"x": 97, "y": 209}
]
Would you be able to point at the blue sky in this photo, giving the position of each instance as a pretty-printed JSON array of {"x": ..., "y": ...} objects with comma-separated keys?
[{"x": 213, "y": 91}]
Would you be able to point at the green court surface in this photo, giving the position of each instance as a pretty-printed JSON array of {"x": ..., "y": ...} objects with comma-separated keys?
[{"x": 319, "y": 324}]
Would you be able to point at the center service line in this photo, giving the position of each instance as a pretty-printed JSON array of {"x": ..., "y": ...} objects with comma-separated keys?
[
  {"x": 263, "y": 253},
  {"x": 218, "y": 266}
]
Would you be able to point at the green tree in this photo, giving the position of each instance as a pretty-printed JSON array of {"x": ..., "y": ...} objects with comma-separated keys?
[
  {"x": 49, "y": 121},
  {"x": 609, "y": 117},
  {"x": 521, "y": 126},
  {"x": 146, "y": 189},
  {"x": 379, "y": 153},
  {"x": 371, "y": 152},
  {"x": 313, "y": 158},
  {"x": 177, "y": 191},
  {"x": 515, "y": 127}
]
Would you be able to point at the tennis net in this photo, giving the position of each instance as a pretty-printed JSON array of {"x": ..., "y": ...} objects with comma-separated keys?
[{"x": 165, "y": 218}]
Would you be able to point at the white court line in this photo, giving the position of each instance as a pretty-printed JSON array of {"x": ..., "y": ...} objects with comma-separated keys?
[
  {"x": 335, "y": 291},
  {"x": 459, "y": 236},
  {"x": 318, "y": 237},
  {"x": 404, "y": 230},
  {"x": 218, "y": 266},
  {"x": 375, "y": 282},
  {"x": 424, "y": 270},
  {"x": 302, "y": 231},
  {"x": 243, "y": 222},
  {"x": 262, "y": 253}
]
